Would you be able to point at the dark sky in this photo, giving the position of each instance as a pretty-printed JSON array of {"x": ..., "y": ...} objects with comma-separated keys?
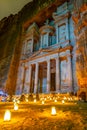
[{"x": 8, "y": 7}]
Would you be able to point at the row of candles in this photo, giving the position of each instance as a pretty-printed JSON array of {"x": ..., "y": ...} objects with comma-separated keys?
[
  {"x": 43, "y": 101},
  {"x": 55, "y": 99},
  {"x": 7, "y": 115}
]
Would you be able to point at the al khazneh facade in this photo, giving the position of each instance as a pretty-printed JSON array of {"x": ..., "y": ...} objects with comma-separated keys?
[{"x": 48, "y": 57}]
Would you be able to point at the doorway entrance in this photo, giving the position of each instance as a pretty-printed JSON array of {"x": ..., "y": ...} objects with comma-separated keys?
[{"x": 53, "y": 82}]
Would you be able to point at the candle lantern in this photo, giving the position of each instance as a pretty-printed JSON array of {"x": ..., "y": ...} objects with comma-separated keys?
[
  {"x": 42, "y": 102},
  {"x": 63, "y": 101},
  {"x": 35, "y": 100},
  {"x": 7, "y": 115},
  {"x": 53, "y": 111},
  {"x": 15, "y": 106}
]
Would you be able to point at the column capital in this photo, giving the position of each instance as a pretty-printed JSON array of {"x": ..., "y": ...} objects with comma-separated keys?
[
  {"x": 48, "y": 60},
  {"x": 69, "y": 57},
  {"x": 56, "y": 58},
  {"x": 37, "y": 63}
]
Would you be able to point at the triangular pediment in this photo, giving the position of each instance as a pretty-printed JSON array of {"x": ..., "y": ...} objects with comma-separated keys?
[
  {"x": 33, "y": 26},
  {"x": 41, "y": 52}
]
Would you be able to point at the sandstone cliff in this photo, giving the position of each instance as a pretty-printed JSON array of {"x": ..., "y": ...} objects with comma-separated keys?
[
  {"x": 80, "y": 20},
  {"x": 11, "y": 34}
]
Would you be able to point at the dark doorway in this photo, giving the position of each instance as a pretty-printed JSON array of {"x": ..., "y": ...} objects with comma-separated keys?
[
  {"x": 83, "y": 96},
  {"x": 32, "y": 79},
  {"x": 53, "y": 82}
]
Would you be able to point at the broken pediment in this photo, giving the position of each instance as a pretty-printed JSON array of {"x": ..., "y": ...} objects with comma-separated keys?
[
  {"x": 32, "y": 31},
  {"x": 41, "y": 52},
  {"x": 31, "y": 27}
]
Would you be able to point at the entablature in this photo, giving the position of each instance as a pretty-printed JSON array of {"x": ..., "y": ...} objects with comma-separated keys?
[{"x": 50, "y": 53}]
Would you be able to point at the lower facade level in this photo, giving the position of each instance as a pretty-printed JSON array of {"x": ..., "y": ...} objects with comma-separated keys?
[{"x": 46, "y": 71}]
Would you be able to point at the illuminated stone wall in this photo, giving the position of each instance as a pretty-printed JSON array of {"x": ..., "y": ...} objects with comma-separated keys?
[
  {"x": 56, "y": 33},
  {"x": 11, "y": 39},
  {"x": 80, "y": 20}
]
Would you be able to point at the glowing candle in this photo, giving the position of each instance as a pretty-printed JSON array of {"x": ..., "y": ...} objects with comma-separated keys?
[
  {"x": 53, "y": 111},
  {"x": 64, "y": 98},
  {"x": 42, "y": 102},
  {"x": 15, "y": 106},
  {"x": 55, "y": 100},
  {"x": 7, "y": 116},
  {"x": 63, "y": 101},
  {"x": 14, "y": 100},
  {"x": 50, "y": 98},
  {"x": 35, "y": 100},
  {"x": 26, "y": 100},
  {"x": 68, "y": 99},
  {"x": 45, "y": 99}
]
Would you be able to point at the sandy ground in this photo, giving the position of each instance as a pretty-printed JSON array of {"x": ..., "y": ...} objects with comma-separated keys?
[{"x": 35, "y": 116}]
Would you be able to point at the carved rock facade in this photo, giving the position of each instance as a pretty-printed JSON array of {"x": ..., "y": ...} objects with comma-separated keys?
[
  {"x": 51, "y": 54},
  {"x": 48, "y": 58}
]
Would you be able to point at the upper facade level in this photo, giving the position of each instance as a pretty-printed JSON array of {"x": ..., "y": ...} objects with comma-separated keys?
[{"x": 55, "y": 32}]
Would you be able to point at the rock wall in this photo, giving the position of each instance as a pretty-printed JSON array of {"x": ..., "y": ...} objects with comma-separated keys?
[
  {"x": 80, "y": 20},
  {"x": 8, "y": 35}
]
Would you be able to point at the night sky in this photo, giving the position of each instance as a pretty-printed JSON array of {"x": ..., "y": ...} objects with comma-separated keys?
[{"x": 8, "y": 7}]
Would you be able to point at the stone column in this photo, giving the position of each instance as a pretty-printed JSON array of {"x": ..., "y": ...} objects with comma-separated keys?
[
  {"x": 57, "y": 35},
  {"x": 23, "y": 78},
  {"x": 22, "y": 72},
  {"x": 30, "y": 70},
  {"x": 41, "y": 41},
  {"x": 69, "y": 71},
  {"x": 67, "y": 29},
  {"x": 48, "y": 76},
  {"x": 25, "y": 90},
  {"x": 36, "y": 78},
  {"x": 48, "y": 39},
  {"x": 57, "y": 74}
]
